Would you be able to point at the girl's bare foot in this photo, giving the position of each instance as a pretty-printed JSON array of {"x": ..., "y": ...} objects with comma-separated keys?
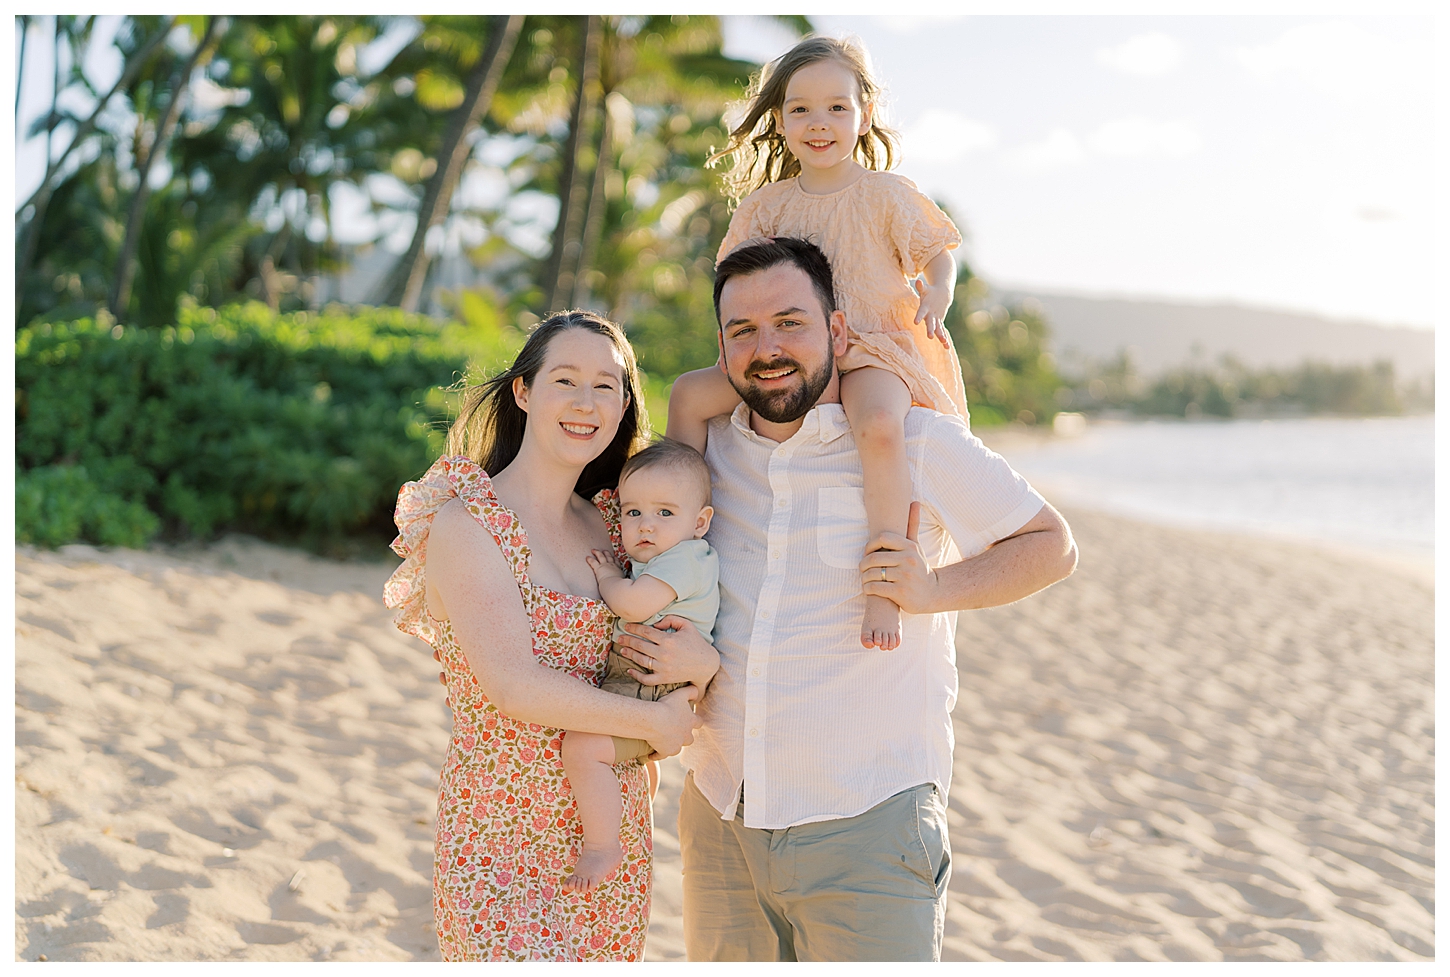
[
  {"x": 881, "y": 624},
  {"x": 595, "y": 864}
]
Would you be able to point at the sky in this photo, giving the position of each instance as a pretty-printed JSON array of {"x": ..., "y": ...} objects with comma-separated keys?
[
  {"x": 1281, "y": 161},
  {"x": 1275, "y": 161}
]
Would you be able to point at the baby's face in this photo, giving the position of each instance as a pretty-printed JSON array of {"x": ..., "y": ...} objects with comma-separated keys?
[{"x": 660, "y": 507}]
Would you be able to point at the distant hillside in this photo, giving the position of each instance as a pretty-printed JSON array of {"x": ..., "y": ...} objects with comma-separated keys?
[{"x": 1164, "y": 334}]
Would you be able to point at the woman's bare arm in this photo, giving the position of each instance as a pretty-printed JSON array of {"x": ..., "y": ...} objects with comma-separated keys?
[{"x": 470, "y": 584}]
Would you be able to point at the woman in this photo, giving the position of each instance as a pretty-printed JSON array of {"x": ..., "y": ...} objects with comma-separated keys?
[{"x": 495, "y": 579}]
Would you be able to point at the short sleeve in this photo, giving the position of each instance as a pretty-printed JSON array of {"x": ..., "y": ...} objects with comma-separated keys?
[
  {"x": 450, "y": 478},
  {"x": 975, "y": 495},
  {"x": 919, "y": 229},
  {"x": 742, "y": 226},
  {"x": 686, "y": 567}
]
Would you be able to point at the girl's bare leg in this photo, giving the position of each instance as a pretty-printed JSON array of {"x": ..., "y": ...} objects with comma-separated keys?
[
  {"x": 696, "y": 397},
  {"x": 589, "y": 762},
  {"x": 876, "y": 402}
]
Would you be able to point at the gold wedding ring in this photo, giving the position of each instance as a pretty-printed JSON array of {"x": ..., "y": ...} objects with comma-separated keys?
[{"x": 883, "y": 574}]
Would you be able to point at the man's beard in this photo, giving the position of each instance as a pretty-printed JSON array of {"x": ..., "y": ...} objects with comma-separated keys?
[{"x": 786, "y": 405}]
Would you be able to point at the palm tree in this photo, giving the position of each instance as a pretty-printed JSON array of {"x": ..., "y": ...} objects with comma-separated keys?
[
  {"x": 145, "y": 158},
  {"x": 483, "y": 82}
]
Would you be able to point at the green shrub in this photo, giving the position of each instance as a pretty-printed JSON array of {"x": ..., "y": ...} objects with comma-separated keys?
[
  {"x": 299, "y": 426},
  {"x": 58, "y": 504}
]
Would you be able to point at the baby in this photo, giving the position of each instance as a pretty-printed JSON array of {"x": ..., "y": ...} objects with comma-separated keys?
[{"x": 664, "y": 504}]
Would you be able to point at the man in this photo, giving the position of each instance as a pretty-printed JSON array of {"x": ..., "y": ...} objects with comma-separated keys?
[{"x": 813, "y": 819}]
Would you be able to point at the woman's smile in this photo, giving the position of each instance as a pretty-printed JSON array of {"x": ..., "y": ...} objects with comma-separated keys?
[{"x": 581, "y": 431}]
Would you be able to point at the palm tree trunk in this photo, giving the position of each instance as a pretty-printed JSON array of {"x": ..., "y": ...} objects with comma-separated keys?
[
  {"x": 20, "y": 67},
  {"x": 598, "y": 204},
  {"x": 407, "y": 281},
  {"x": 564, "y": 259},
  {"x": 126, "y": 264},
  {"x": 40, "y": 199}
]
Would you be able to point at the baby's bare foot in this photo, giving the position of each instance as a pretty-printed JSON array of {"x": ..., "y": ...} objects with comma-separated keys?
[
  {"x": 595, "y": 864},
  {"x": 881, "y": 624}
]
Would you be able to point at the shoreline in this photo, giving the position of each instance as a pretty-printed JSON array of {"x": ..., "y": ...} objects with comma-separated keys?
[{"x": 1191, "y": 749}]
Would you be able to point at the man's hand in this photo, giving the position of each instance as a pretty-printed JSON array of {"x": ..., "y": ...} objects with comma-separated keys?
[
  {"x": 677, "y": 723},
  {"x": 897, "y": 569},
  {"x": 603, "y": 565},
  {"x": 678, "y": 655}
]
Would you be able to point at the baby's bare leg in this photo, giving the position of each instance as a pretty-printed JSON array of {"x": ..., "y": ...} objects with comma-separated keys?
[
  {"x": 589, "y": 762},
  {"x": 696, "y": 397},
  {"x": 876, "y": 402}
]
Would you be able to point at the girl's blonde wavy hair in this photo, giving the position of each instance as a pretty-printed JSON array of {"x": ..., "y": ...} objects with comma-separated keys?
[{"x": 756, "y": 147}]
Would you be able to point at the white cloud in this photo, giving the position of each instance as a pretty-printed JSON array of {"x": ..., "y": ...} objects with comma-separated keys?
[
  {"x": 1060, "y": 149},
  {"x": 1136, "y": 136},
  {"x": 1143, "y": 54},
  {"x": 1336, "y": 58},
  {"x": 943, "y": 136}
]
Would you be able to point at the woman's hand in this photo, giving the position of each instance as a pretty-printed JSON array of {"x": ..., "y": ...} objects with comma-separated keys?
[
  {"x": 677, "y": 723},
  {"x": 681, "y": 655}
]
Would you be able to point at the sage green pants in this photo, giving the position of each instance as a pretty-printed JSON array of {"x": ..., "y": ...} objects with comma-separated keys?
[{"x": 872, "y": 887}]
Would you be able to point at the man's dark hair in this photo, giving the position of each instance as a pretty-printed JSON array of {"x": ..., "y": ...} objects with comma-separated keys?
[{"x": 779, "y": 251}]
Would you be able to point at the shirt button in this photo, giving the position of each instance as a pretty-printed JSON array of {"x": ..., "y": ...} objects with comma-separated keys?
[
  {"x": 755, "y": 671},
  {"x": 752, "y": 732}
]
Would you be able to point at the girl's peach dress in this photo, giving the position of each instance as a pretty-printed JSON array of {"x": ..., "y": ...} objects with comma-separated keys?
[
  {"x": 507, "y": 830},
  {"x": 878, "y": 233}
]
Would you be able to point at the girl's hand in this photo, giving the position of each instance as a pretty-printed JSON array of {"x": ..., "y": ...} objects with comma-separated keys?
[
  {"x": 676, "y": 723},
  {"x": 935, "y": 300},
  {"x": 681, "y": 655},
  {"x": 603, "y": 565}
]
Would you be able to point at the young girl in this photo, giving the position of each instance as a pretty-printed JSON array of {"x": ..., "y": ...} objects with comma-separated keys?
[{"x": 809, "y": 161}]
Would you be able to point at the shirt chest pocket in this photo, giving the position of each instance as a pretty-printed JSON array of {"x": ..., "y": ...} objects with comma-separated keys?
[{"x": 841, "y": 533}]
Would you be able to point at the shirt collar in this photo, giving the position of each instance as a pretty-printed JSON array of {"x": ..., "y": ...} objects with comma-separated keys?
[{"x": 823, "y": 422}]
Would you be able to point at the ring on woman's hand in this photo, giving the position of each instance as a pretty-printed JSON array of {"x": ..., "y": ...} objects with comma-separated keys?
[{"x": 883, "y": 575}]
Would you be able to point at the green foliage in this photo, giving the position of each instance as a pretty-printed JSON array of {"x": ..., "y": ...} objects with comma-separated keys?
[
  {"x": 1008, "y": 373},
  {"x": 58, "y": 504},
  {"x": 298, "y": 426},
  {"x": 1231, "y": 389}
]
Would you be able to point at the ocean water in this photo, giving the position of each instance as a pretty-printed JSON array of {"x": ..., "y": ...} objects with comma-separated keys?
[{"x": 1361, "y": 482}]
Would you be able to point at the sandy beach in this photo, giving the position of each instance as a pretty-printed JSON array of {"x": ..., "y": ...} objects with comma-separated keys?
[{"x": 1199, "y": 747}]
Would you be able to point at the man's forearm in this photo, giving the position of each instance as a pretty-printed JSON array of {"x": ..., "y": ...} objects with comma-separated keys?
[{"x": 1037, "y": 556}]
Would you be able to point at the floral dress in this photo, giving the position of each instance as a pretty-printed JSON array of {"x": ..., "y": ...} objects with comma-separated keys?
[{"x": 507, "y": 830}]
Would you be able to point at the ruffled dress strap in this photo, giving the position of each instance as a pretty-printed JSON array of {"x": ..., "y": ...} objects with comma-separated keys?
[
  {"x": 451, "y": 477},
  {"x": 607, "y": 502}
]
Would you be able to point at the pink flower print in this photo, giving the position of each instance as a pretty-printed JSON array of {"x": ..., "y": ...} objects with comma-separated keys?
[
  {"x": 504, "y": 878},
  {"x": 527, "y": 755},
  {"x": 467, "y": 849},
  {"x": 597, "y": 941},
  {"x": 547, "y": 891},
  {"x": 480, "y": 810},
  {"x": 516, "y": 943},
  {"x": 468, "y": 743},
  {"x": 541, "y": 824}
]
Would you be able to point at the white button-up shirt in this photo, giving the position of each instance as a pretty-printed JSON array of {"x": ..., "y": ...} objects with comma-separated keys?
[{"x": 817, "y": 726}]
